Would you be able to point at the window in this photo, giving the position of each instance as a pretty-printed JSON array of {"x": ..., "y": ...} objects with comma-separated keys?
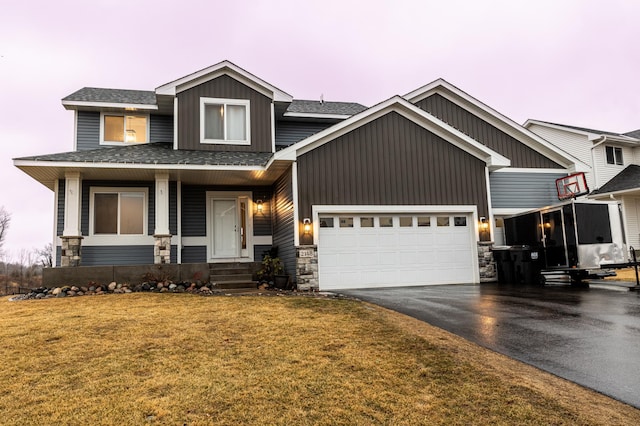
[
  {"x": 614, "y": 155},
  {"x": 123, "y": 128},
  {"x": 346, "y": 222},
  {"x": 424, "y": 221},
  {"x": 119, "y": 211},
  {"x": 366, "y": 222},
  {"x": 386, "y": 222},
  {"x": 442, "y": 220},
  {"x": 406, "y": 221},
  {"x": 326, "y": 222},
  {"x": 224, "y": 121},
  {"x": 459, "y": 221}
]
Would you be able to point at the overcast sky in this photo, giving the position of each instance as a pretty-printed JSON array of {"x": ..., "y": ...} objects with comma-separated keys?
[{"x": 568, "y": 61}]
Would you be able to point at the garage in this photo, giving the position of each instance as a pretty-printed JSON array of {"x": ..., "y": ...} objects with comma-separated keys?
[{"x": 395, "y": 249}]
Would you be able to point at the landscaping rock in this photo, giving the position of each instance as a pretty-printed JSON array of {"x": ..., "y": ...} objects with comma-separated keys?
[{"x": 112, "y": 285}]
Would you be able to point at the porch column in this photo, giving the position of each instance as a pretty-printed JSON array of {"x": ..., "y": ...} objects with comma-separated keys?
[
  {"x": 72, "y": 235},
  {"x": 161, "y": 233}
]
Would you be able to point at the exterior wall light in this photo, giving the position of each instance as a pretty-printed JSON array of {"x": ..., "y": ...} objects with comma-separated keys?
[
  {"x": 259, "y": 206},
  {"x": 307, "y": 225},
  {"x": 484, "y": 224}
]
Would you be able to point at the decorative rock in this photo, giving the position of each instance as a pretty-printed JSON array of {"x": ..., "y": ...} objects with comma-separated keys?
[
  {"x": 128, "y": 290},
  {"x": 56, "y": 291},
  {"x": 119, "y": 285},
  {"x": 92, "y": 288},
  {"x": 84, "y": 289},
  {"x": 160, "y": 286},
  {"x": 71, "y": 293},
  {"x": 112, "y": 285},
  {"x": 61, "y": 294},
  {"x": 74, "y": 288},
  {"x": 180, "y": 288},
  {"x": 172, "y": 286}
]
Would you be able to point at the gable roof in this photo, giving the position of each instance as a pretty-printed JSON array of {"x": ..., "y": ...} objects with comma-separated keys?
[
  {"x": 627, "y": 180},
  {"x": 498, "y": 120},
  {"x": 222, "y": 68},
  {"x": 120, "y": 98},
  {"x": 592, "y": 134},
  {"x": 397, "y": 104}
]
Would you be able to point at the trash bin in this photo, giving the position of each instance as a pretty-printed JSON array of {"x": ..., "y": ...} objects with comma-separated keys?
[
  {"x": 526, "y": 264},
  {"x": 504, "y": 264}
]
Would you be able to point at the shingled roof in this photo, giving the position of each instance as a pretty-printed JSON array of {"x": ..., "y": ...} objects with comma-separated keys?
[
  {"x": 112, "y": 96},
  {"x": 156, "y": 153},
  {"x": 329, "y": 108},
  {"x": 627, "y": 179},
  {"x": 634, "y": 134}
]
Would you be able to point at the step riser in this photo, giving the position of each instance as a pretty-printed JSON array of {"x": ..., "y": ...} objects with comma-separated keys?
[
  {"x": 234, "y": 277},
  {"x": 234, "y": 285},
  {"x": 235, "y": 271}
]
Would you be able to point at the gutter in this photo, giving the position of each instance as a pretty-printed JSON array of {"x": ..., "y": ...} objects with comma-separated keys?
[{"x": 602, "y": 139}]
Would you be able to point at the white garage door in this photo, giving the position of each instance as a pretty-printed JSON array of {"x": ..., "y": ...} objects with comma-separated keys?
[{"x": 378, "y": 250}]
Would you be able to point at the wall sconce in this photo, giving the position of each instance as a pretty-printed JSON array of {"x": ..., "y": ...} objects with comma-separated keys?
[
  {"x": 484, "y": 224},
  {"x": 259, "y": 206},
  {"x": 307, "y": 225}
]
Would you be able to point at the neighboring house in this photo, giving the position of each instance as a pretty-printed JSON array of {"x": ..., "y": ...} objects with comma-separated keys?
[
  {"x": 614, "y": 160},
  {"x": 220, "y": 166}
]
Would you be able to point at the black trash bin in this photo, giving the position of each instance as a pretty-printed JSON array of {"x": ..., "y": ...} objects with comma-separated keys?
[
  {"x": 526, "y": 264},
  {"x": 504, "y": 264}
]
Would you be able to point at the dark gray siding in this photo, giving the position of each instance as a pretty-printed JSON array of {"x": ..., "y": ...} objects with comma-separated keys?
[
  {"x": 173, "y": 257},
  {"x": 151, "y": 206},
  {"x": 223, "y": 87},
  {"x": 173, "y": 207},
  {"x": 290, "y": 132},
  {"x": 523, "y": 190},
  {"x": 88, "y": 131},
  {"x": 58, "y": 254},
  {"x": 388, "y": 161},
  {"x": 60, "y": 207},
  {"x": 117, "y": 255},
  {"x": 161, "y": 128},
  {"x": 258, "y": 252},
  {"x": 458, "y": 117},
  {"x": 283, "y": 222},
  {"x": 194, "y": 254},
  {"x": 194, "y": 217}
]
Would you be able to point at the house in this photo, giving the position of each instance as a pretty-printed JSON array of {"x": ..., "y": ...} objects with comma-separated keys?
[
  {"x": 219, "y": 166},
  {"x": 614, "y": 162}
]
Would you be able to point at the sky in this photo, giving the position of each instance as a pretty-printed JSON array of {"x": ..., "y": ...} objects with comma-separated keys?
[{"x": 567, "y": 61}]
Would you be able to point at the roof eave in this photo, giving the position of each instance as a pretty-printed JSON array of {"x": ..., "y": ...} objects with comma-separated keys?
[{"x": 74, "y": 105}]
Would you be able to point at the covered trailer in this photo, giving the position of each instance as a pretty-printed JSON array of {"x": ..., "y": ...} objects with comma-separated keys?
[{"x": 575, "y": 237}]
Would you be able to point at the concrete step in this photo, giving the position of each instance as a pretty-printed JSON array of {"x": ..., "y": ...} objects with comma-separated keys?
[
  {"x": 228, "y": 285},
  {"x": 219, "y": 276}
]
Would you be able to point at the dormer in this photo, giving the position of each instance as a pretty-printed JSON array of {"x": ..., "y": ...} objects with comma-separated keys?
[{"x": 223, "y": 108}]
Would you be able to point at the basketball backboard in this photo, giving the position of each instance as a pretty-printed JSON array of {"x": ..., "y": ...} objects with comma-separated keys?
[{"x": 572, "y": 186}]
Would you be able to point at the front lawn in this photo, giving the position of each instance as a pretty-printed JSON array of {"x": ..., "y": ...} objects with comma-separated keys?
[{"x": 182, "y": 359}]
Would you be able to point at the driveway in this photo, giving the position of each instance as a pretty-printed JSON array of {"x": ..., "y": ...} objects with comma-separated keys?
[{"x": 589, "y": 336}]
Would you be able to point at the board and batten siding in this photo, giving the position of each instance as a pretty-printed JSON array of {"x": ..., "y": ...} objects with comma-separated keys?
[
  {"x": 161, "y": 128},
  {"x": 521, "y": 156},
  {"x": 117, "y": 255},
  {"x": 390, "y": 161},
  {"x": 224, "y": 87},
  {"x": 283, "y": 222},
  {"x": 290, "y": 132},
  {"x": 523, "y": 190},
  {"x": 60, "y": 207}
]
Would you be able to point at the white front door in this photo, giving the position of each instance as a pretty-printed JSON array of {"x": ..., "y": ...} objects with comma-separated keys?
[{"x": 229, "y": 227}]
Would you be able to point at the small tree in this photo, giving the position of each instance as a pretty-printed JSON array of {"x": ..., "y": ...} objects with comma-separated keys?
[
  {"x": 5, "y": 220},
  {"x": 46, "y": 255}
]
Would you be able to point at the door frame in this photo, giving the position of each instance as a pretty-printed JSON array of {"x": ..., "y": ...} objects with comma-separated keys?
[
  {"x": 564, "y": 235},
  {"x": 239, "y": 197}
]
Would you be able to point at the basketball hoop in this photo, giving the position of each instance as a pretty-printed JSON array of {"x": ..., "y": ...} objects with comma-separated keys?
[{"x": 572, "y": 186}]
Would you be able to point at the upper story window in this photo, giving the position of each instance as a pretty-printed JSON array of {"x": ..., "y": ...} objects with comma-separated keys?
[
  {"x": 224, "y": 121},
  {"x": 123, "y": 128},
  {"x": 614, "y": 155}
]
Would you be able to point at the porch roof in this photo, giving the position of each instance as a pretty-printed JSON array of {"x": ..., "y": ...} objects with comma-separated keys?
[
  {"x": 627, "y": 180},
  {"x": 142, "y": 162}
]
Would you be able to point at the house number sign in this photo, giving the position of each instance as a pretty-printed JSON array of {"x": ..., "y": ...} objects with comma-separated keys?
[{"x": 305, "y": 253}]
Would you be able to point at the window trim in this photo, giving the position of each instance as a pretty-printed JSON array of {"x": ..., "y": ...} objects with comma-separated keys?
[
  {"x": 614, "y": 149},
  {"x": 110, "y": 190},
  {"x": 236, "y": 102},
  {"x": 123, "y": 114}
]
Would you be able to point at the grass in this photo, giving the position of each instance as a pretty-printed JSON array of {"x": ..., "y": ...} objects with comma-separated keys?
[
  {"x": 182, "y": 359},
  {"x": 628, "y": 274}
]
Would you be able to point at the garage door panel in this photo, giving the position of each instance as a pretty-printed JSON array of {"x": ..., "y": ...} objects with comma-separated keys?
[{"x": 359, "y": 257}]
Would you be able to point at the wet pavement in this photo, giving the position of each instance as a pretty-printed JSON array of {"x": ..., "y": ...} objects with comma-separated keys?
[{"x": 590, "y": 336}]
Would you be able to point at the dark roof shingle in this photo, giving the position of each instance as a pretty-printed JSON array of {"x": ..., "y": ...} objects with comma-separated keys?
[
  {"x": 598, "y": 132},
  {"x": 317, "y": 107},
  {"x": 114, "y": 96},
  {"x": 156, "y": 153},
  {"x": 629, "y": 178}
]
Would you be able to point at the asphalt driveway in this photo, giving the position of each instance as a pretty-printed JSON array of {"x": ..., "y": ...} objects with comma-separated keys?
[{"x": 589, "y": 336}]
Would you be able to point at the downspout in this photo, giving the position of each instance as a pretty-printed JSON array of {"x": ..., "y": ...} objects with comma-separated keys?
[{"x": 602, "y": 139}]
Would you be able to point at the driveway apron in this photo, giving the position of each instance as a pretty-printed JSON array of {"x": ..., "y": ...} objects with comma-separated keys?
[{"x": 588, "y": 336}]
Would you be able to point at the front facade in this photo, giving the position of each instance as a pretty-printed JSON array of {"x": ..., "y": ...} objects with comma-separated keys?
[
  {"x": 614, "y": 166},
  {"x": 221, "y": 166}
]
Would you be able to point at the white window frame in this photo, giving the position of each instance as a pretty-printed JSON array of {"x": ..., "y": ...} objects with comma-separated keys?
[
  {"x": 118, "y": 190},
  {"x": 123, "y": 114},
  {"x": 615, "y": 150},
  {"x": 221, "y": 101}
]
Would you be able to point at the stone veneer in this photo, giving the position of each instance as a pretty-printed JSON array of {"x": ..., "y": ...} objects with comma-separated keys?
[
  {"x": 485, "y": 261},
  {"x": 162, "y": 249},
  {"x": 307, "y": 267},
  {"x": 71, "y": 251}
]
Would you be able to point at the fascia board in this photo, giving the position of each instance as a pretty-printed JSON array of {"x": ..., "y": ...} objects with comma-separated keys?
[
  {"x": 72, "y": 104},
  {"x": 224, "y": 67},
  {"x": 503, "y": 123},
  {"x": 592, "y": 136},
  {"x": 409, "y": 111},
  {"x": 316, "y": 115},
  {"x": 103, "y": 165}
]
